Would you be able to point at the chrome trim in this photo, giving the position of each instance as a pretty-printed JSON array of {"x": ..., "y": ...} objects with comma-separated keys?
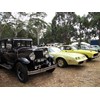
[
  {"x": 40, "y": 60},
  {"x": 41, "y": 70},
  {"x": 95, "y": 57}
]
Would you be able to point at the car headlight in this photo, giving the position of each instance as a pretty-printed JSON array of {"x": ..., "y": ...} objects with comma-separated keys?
[
  {"x": 77, "y": 58},
  {"x": 45, "y": 53},
  {"x": 84, "y": 56},
  {"x": 32, "y": 56}
]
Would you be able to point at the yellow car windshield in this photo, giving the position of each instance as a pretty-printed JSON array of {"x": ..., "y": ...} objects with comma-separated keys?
[
  {"x": 68, "y": 48},
  {"x": 54, "y": 49}
]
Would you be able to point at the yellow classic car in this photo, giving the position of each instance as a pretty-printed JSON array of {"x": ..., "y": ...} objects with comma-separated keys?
[
  {"x": 88, "y": 53},
  {"x": 63, "y": 59}
]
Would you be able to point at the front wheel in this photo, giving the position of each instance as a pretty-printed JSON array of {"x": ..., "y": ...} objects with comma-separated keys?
[
  {"x": 61, "y": 62},
  {"x": 22, "y": 72}
]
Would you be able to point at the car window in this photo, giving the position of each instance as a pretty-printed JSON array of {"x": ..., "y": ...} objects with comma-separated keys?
[
  {"x": 70, "y": 48},
  {"x": 67, "y": 48},
  {"x": 22, "y": 44},
  {"x": 54, "y": 49},
  {"x": 62, "y": 48}
]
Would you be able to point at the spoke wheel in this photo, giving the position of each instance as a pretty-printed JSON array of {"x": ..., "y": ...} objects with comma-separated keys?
[{"x": 21, "y": 71}]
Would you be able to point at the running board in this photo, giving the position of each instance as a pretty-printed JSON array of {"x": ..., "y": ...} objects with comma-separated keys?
[{"x": 6, "y": 66}]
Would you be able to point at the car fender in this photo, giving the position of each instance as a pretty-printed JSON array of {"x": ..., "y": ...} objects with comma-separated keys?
[
  {"x": 63, "y": 56},
  {"x": 51, "y": 59},
  {"x": 23, "y": 60}
]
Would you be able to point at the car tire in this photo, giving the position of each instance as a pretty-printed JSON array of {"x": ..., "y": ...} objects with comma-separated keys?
[
  {"x": 51, "y": 70},
  {"x": 22, "y": 72},
  {"x": 61, "y": 62}
]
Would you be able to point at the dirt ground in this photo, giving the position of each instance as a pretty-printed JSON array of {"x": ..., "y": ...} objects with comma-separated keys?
[{"x": 86, "y": 75}]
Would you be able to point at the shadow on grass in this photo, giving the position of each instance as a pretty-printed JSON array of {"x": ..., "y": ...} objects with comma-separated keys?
[
  {"x": 75, "y": 67},
  {"x": 93, "y": 61}
]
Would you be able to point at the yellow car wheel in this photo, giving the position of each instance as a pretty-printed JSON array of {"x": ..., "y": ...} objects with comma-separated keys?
[{"x": 61, "y": 62}]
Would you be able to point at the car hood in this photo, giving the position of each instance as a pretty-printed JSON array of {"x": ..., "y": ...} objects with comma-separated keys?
[
  {"x": 73, "y": 55},
  {"x": 87, "y": 51},
  {"x": 81, "y": 51}
]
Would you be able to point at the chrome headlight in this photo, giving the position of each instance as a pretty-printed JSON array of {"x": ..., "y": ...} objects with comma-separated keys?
[
  {"x": 45, "y": 53},
  {"x": 32, "y": 56}
]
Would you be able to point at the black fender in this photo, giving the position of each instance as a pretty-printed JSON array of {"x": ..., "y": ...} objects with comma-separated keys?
[
  {"x": 23, "y": 60},
  {"x": 51, "y": 59}
]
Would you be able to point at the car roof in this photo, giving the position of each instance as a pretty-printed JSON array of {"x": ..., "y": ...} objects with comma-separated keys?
[
  {"x": 3, "y": 40},
  {"x": 18, "y": 39}
]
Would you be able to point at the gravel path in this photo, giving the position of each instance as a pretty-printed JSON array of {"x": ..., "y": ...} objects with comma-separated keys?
[{"x": 86, "y": 75}]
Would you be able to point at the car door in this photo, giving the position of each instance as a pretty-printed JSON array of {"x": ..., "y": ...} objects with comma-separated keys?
[{"x": 9, "y": 55}]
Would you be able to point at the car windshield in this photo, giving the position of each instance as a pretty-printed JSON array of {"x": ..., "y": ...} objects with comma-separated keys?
[
  {"x": 22, "y": 43},
  {"x": 96, "y": 46},
  {"x": 85, "y": 47},
  {"x": 68, "y": 48},
  {"x": 54, "y": 49},
  {"x": 74, "y": 48}
]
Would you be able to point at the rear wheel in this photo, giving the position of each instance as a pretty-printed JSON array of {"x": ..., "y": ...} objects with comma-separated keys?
[
  {"x": 61, "y": 62},
  {"x": 22, "y": 72}
]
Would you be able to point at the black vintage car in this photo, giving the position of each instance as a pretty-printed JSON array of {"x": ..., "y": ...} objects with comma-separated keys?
[{"x": 18, "y": 55}]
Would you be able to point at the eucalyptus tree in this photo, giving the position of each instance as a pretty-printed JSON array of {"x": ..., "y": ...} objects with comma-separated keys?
[
  {"x": 63, "y": 26},
  {"x": 36, "y": 25},
  {"x": 94, "y": 18},
  {"x": 82, "y": 25},
  {"x": 47, "y": 36},
  {"x": 7, "y": 31},
  {"x": 12, "y": 20},
  {"x": 19, "y": 22},
  {"x": 22, "y": 24},
  {"x": 5, "y": 24}
]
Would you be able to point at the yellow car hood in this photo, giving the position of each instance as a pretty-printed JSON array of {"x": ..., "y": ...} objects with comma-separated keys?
[
  {"x": 81, "y": 51},
  {"x": 73, "y": 55}
]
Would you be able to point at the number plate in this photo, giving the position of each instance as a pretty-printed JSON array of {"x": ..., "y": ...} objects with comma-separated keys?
[{"x": 40, "y": 60}]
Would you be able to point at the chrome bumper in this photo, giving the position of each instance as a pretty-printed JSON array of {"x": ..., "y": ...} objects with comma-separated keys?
[
  {"x": 41, "y": 70},
  {"x": 95, "y": 57}
]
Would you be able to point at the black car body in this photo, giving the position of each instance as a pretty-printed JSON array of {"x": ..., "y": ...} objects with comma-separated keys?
[{"x": 18, "y": 54}]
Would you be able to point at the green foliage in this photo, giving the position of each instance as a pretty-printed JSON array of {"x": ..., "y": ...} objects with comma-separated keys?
[
  {"x": 95, "y": 23},
  {"x": 62, "y": 28},
  {"x": 22, "y": 34},
  {"x": 6, "y": 32},
  {"x": 22, "y": 24},
  {"x": 47, "y": 37}
]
